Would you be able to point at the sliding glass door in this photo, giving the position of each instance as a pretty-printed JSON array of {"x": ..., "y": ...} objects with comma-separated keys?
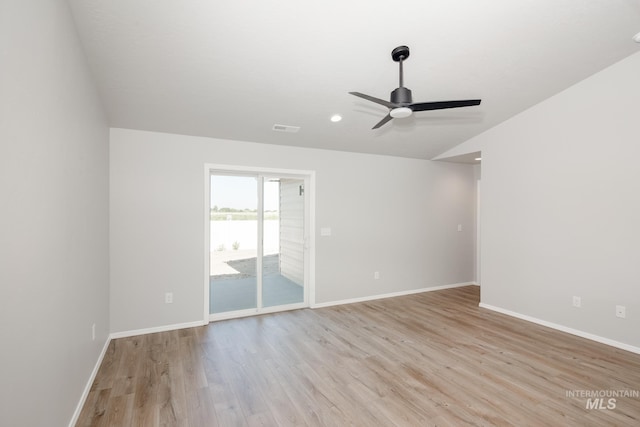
[
  {"x": 257, "y": 244},
  {"x": 283, "y": 260},
  {"x": 234, "y": 243}
]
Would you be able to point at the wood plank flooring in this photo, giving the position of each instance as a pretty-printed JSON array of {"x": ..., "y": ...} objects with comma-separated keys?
[{"x": 420, "y": 360}]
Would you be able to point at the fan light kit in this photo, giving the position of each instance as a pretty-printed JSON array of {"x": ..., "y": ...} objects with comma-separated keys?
[
  {"x": 400, "y": 112},
  {"x": 401, "y": 104},
  {"x": 336, "y": 118}
]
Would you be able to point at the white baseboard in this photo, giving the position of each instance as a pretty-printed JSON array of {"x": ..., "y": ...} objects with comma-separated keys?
[
  {"x": 390, "y": 295},
  {"x": 87, "y": 388},
  {"x": 562, "y": 328},
  {"x": 133, "y": 333}
]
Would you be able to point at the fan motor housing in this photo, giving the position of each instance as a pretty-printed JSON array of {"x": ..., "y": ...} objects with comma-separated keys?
[{"x": 401, "y": 96}]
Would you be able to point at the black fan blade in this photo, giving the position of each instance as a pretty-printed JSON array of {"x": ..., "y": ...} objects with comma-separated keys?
[
  {"x": 372, "y": 99},
  {"x": 383, "y": 121},
  {"x": 441, "y": 105}
]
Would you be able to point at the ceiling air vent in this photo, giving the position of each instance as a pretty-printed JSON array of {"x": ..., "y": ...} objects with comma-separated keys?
[{"x": 285, "y": 128}]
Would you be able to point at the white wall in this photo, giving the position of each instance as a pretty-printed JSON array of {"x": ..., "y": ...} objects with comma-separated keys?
[
  {"x": 560, "y": 207},
  {"x": 392, "y": 215},
  {"x": 53, "y": 216}
]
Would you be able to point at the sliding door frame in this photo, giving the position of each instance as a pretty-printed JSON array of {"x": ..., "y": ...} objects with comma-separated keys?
[{"x": 309, "y": 236}]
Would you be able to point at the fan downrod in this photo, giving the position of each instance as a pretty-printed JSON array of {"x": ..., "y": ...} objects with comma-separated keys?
[{"x": 399, "y": 54}]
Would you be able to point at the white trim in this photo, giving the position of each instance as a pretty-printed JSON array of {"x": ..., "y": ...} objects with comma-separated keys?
[
  {"x": 207, "y": 236},
  {"x": 285, "y": 173},
  {"x": 255, "y": 312},
  {"x": 561, "y": 328},
  {"x": 135, "y": 332},
  {"x": 87, "y": 388},
  {"x": 259, "y": 240},
  {"x": 310, "y": 231},
  {"x": 478, "y": 233},
  {"x": 391, "y": 295}
]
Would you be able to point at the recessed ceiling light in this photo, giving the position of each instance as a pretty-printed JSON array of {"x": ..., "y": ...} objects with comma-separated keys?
[
  {"x": 636, "y": 38},
  {"x": 336, "y": 118},
  {"x": 478, "y": 158}
]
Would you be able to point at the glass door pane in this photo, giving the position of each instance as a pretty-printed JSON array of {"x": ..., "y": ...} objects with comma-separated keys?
[
  {"x": 234, "y": 243},
  {"x": 283, "y": 256}
]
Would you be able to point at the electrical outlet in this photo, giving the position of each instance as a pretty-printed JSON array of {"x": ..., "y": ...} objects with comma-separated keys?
[
  {"x": 168, "y": 298},
  {"x": 621, "y": 311},
  {"x": 376, "y": 275},
  {"x": 577, "y": 301},
  {"x": 93, "y": 332},
  {"x": 459, "y": 227}
]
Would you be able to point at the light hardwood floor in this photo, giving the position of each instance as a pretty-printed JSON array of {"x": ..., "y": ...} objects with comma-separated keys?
[{"x": 427, "y": 359}]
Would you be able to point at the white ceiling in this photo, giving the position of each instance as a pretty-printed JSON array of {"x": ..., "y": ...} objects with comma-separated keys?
[{"x": 232, "y": 69}]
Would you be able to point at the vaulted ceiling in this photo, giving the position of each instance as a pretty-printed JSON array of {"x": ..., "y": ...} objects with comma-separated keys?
[{"x": 231, "y": 69}]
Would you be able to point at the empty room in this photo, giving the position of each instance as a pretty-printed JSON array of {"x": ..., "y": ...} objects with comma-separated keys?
[{"x": 243, "y": 213}]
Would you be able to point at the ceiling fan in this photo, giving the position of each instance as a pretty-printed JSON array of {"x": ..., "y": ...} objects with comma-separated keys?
[{"x": 401, "y": 104}]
